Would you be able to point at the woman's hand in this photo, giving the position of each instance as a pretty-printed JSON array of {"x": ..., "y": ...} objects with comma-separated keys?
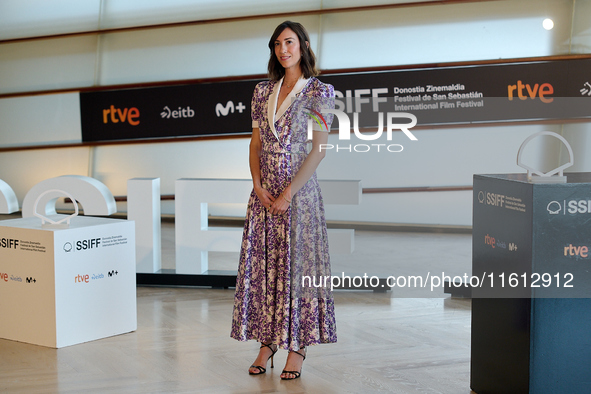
[
  {"x": 265, "y": 197},
  {"x": 280, "y": 205}
]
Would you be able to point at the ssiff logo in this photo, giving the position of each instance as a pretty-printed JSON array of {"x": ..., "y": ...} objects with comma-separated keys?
[
  {"x": 345, "y": 129},
  {"x": 85, "y": 244},
  {"x": 572, "y": 207},
  {"x": 494, "y": 199},
  {"x": 9, "y": 243}
]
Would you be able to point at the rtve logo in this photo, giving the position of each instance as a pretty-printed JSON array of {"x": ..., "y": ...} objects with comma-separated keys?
[
  {"x": 488, "y": 240},
  {"x": 81, "y": 278},
  {"x": 576, "y": 251},
  {"x": 537, "y": 90},
  {"x": 116, "y": 115}
]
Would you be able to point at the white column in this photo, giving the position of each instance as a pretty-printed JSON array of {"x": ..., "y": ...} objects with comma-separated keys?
[
  {"x": 193, "y": 237},
  {"x": 143, "y": 207}
]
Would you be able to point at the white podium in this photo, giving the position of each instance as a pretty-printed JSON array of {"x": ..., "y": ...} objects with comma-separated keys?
[{"x": 64, "y": 286}]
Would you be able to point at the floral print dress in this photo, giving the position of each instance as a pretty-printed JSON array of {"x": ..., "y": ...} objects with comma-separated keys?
[{"x": 271, "y": 304}]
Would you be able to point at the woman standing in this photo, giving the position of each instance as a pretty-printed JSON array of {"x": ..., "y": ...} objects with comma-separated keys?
[{"x": 285, "y": 234}]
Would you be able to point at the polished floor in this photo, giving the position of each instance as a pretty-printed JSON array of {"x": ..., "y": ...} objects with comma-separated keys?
[{"x": 387, "y": 343}]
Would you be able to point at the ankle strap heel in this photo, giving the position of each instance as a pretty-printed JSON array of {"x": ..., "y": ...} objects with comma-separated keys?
[
  {"x": 262, "y": 370},
  {"x": 296, "y": 374}
]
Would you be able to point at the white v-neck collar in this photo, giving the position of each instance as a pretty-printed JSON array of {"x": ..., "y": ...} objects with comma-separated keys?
[{"x": 271, "y": 115}]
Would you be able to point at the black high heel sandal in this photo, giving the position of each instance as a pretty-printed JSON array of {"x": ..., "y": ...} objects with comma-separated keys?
[
  {"x": 296, "y": 374},
  {"x": 262, "y": 370}
]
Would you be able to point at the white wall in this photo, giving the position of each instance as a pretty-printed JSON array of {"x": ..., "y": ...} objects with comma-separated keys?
[
  {"x": 409, "y": 35},
  {"x": 450, "y": 33},
  {"x": 445, "y": 157},
  {"x": 579, "y": 137},
  {"x": 40, "y": 120}
]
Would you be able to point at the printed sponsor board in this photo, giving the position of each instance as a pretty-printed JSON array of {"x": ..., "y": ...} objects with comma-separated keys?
[
  {"x": 451, "y": 95},
  {"x": 68, "y": 285},
  {"x": 531, "y": 240}
]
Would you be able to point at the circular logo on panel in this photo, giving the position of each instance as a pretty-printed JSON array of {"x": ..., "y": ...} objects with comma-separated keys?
[
  {"x": 68, "y": 247},
  {"x": 481, "y": 197},
  {"x": 554, "y": 208}
]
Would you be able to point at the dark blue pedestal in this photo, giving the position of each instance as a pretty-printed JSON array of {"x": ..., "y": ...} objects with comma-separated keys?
[{"x": 531, "y": 339}]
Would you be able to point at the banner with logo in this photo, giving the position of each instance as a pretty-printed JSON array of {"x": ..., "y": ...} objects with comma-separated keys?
[
  {"x": 172, "y": 111},
  {"x": 531, "y": 240},
  {"x": 68, "y": 285},
  {"x": 540, "y": 91}
]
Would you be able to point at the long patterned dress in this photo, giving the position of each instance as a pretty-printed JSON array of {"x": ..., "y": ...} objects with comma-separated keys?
[{"x": 270, "y": 303}]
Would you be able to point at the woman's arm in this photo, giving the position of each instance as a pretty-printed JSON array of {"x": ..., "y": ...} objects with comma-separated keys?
[
  {"x": 265, "y": 197},
  {"x": 305, "y": 172},
  {"x": 322, "y": 96}
]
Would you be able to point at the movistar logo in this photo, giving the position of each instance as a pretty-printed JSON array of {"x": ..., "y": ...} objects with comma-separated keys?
[{"x": 224, "y": 110}]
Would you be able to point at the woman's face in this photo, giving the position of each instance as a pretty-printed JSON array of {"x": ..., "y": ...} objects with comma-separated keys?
[{"x": 287, "y": 49}]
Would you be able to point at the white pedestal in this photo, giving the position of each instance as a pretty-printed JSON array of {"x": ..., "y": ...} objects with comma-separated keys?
[{"x": 60, "y": 287}]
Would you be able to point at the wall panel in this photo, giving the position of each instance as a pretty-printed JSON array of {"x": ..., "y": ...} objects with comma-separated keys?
[
  {"x": 579, "y": 136},
  {"x": 202, "y": 51},
  {"x": 581, "y": 35},
  {"x": 115, "y": 164},
  {"x": 441, "y": 157},
  {"x": 47, "y": 64},
  {"x": 39, "y": 120},
  {"x": 28, "y": 18},
  {"x": 123, "y": 13},
  {"x": 436, "y": 34},
  {"x": 24, "y": 169}
]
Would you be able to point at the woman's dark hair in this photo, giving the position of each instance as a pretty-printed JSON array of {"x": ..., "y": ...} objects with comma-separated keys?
[{"x": 308, "y": 60}]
